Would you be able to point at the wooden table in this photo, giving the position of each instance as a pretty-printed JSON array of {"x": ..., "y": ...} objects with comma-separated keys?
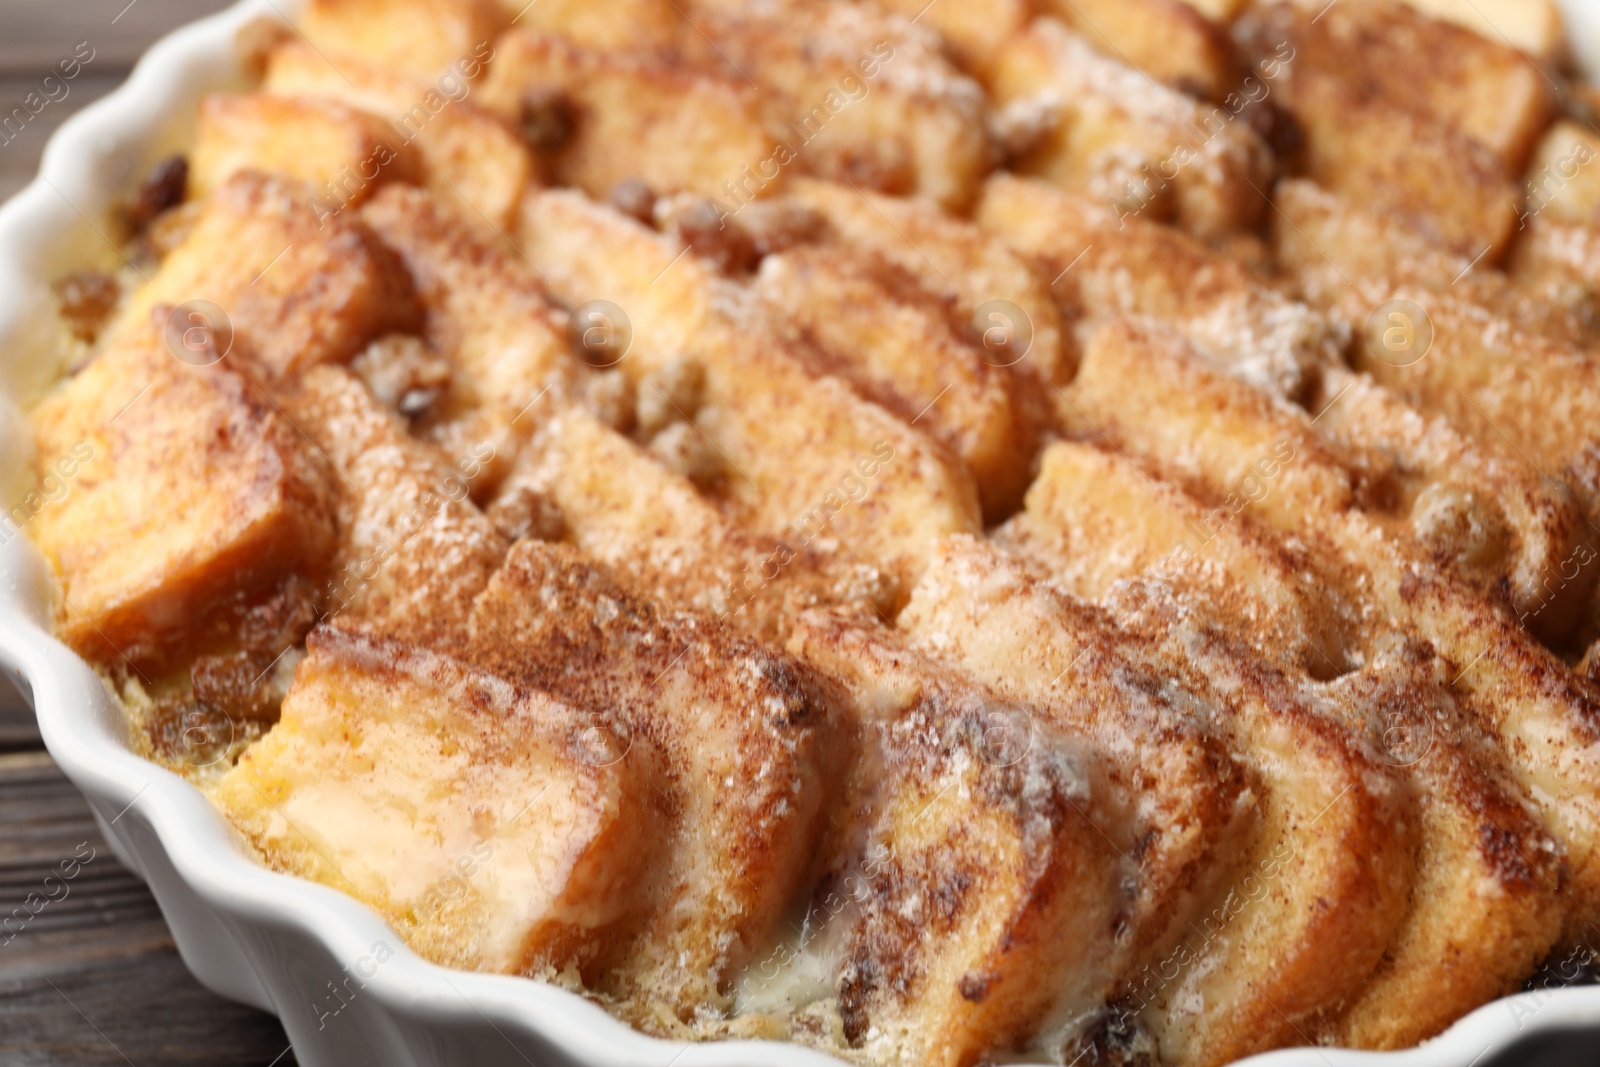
[{"x": 93, "y": 978}]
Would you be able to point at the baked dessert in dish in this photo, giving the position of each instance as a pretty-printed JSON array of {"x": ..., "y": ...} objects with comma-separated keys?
[{"x": 945, "y": 534}]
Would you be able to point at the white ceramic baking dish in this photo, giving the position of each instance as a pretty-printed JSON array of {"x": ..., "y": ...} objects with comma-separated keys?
[{"x": 345, "y": 986}]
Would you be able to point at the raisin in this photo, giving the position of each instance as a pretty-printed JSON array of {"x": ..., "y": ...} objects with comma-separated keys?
[
  {"x": 1278, "y": 128},
  {"x": 633, "y": 198},
  {"x": 162, "y": 190},
  {"x": 716, "y": 238},
  {"x": 549, "y": 119}
]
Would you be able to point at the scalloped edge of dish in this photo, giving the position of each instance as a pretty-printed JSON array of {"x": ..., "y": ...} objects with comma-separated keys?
[{"x": 277, "y": 942}]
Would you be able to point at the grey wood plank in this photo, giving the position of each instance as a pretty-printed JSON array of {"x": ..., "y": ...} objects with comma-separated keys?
[
  {"x": 23, "y": 144},
  {"x": 91, "y": 975},
  {"x": 35, "y": 35},
  {"x": 88, "y": 971},
  {"x": 18, "y": 728},
  {"x": 35, "y": 38}
]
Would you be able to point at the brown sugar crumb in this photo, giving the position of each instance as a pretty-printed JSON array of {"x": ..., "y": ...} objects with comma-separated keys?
[
  {"x": 169, "y": 229},
  {"x": 685, "y": 449},
  {"x": 611, "y": 396},
  {"x": 883, "y": 166},
  {"x": 526, "y": 512},
  {"x": 402, "y": 372},
  {"x": 778, "y": 226},
  {"x": 87, "y": 298},
  {"x": 239, "y": 686},
  {"x": 670, "y": 394},
  {"x": 255, "y": 42}
]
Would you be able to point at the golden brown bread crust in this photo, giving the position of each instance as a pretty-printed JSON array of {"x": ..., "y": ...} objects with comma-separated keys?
[
  {"x": 1433, "y": 145},
  {"x": 1346, "y": 256},
  {"x": 1095, "y": 126},
  {"x": 988, "y": 844},
  {"x": 1331, "y": 797},
  {"x": 619, "y": 25},
  {"x": 1086, "y": 499},
  {"x": 857, "y": 95},
  {"x": 973, "y": 31},
  {"x": 640, "y": 115},
  {"x": 1474, "y": 829},
  {"x": 742, "y": 738},
  {"x": 1276, "y": 343},
  {"x": 1559, "y": 262},
  {"x": 1486, "y": 903},
  {"x": 1485, "y": 89},
  {"x": 299, "y": 286},
  {"x": 342, "y": 153},
  {"x": 952, "y": 259},
  {"x": 536, "y": 868},
  {"x": 1373, "y": 150},
  {"x": 1481, "y": 512},
  {"x": 462, "y": 152},
  {"x": 902, "y": 348},
  {"x": 862, "y": 478},
  {"x": 1489, "y": 379},
  {"x": 412, "y": 551},
  {"x": 623, "y": 508},
  {"x": 1102, "y": 264},
  {"x": 1168, "y": 39},
  {"x": 422, "y": 38},
  {"x": 1191, "y": 802},
  {"x": 1338, "y": 824},
  {"x": 489, "y": 317},
  {"x": 1543, "y": 715},
  {"x": 172, "y": 526}
]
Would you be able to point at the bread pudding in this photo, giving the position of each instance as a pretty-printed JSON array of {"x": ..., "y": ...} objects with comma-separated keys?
[{"x": 944, "y": 532}]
